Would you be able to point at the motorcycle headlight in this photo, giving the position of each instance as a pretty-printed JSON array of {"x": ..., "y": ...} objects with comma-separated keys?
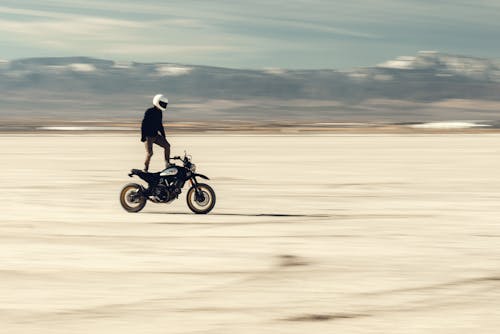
[{"x": 193, "y": 168}]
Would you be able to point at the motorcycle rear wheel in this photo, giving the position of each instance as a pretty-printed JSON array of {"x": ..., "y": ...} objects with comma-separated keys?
[
  {"x": 131, "y": 198},
  {"x": 202, "y": 203}
]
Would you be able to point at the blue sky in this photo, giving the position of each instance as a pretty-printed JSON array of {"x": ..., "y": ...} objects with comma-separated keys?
[{"x": 249, "y": 34}]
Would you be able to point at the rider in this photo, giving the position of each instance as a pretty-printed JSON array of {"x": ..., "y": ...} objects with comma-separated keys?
[{"x": 152, "y": 130}]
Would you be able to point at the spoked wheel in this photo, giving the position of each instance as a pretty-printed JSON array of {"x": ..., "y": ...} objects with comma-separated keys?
[
  {"x": 131, "y": 198},
  {"x": 201, "y": 201}
]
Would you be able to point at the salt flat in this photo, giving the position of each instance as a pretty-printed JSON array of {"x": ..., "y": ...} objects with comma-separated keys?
[{"x": 310, "y": 234}]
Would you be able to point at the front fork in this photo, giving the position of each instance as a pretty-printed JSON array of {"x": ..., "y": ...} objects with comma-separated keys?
[{"x": 198, "y": 192}]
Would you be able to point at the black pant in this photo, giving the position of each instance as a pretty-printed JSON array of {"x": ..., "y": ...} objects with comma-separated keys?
[{"x": 158, "y": 140}]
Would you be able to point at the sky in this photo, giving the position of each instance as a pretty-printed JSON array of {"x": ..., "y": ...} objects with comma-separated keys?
[{"x": 296, "y": 34}]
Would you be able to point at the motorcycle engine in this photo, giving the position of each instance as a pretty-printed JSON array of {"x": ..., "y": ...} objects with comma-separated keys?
[{"x": 163, "y": 193}]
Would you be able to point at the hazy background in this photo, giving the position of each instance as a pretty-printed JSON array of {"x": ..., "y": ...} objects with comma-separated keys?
[
  {"x": 428, "y": 86},
  {"x": 224, "y": 60}
]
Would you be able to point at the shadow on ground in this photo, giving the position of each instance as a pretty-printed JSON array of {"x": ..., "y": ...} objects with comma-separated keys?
[{"x": 243, "y": 214}]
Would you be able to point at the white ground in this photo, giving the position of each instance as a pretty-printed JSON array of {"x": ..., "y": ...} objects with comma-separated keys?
[{"x": 310, "y": 234}]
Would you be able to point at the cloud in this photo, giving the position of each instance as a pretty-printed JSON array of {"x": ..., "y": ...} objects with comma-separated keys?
[
  {"x": 34, "y": 13},
  {"x": 401, "y": 63},
  {"x": 281, "y": 33},
  {"x": 111, "y": 36},
  {"x": 76, "y": 67},
  {"x": 172, "y": 70},
  {"x": 275, "y": 71},
  {"x": 54, "y": 25},
  {"x": 152, "y": 49},
  {"x": 65, "y": 32},
  {"x": 50, "y": 16}
]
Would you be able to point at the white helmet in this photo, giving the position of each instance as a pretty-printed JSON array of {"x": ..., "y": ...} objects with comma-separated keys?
[{"x": 160, "y": 102}]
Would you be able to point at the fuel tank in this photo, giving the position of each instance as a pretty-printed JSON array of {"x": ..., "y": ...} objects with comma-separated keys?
[{"x": 170, "y": 171}]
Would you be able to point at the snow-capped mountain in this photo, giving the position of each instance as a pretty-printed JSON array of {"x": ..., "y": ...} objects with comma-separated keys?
[
  {"x": 447, "y": 65},
  {"x": 82, "y": 87}
]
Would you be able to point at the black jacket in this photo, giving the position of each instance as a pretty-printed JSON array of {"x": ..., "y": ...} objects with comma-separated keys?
[{"x": 152, "y": 123}]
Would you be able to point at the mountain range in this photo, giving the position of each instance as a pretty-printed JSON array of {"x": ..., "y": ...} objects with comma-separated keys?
[{"x": 427, "y": 86}]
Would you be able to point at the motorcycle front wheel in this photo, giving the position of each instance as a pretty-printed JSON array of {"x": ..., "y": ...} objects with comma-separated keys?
[
  {"x": 201, "y": 201},
  {"x": 131, "y": 198}
]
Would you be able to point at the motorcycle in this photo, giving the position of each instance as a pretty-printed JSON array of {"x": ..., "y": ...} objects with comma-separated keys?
[{"x": 166, "y": 186}]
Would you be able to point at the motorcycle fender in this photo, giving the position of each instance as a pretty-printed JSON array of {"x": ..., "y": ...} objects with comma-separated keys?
[{"x": 202, "y": 176}]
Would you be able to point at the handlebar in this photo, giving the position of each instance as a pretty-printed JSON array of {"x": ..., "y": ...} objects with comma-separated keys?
[{"x": 181, "y": 159}]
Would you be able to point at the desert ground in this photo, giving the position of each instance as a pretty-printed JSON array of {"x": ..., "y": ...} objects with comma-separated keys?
[{"x": 344, "y": 233}]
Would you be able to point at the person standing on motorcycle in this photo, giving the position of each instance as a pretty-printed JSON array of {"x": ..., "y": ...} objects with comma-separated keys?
[{"x": 152, "y": 131}]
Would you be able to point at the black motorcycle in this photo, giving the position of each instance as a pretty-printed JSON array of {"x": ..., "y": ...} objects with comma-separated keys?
[{"x": 166, "y": 186}]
